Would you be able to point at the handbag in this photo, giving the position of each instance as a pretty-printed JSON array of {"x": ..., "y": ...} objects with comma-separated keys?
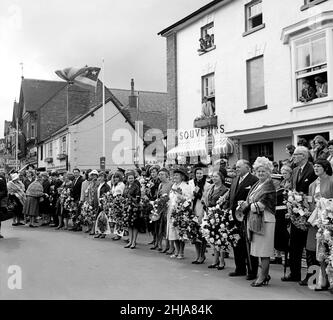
[{"x": 256, "y": 221}]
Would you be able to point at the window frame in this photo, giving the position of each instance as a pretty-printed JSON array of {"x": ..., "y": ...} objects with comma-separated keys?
[
  {"x": 50, "y": 150},
  {"x": 328, "y": 32},
  {"x": 63, "y": 147},
  {"x": 249, "y": 30},
  {"x": 203, "y": 88},
  {"x": 309, "y": 4},
  {"x": 202, "y": 36},
  {"x": 263, "y": 106}
]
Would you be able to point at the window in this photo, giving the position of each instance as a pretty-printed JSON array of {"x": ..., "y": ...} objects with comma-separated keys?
[
  {"x": 311, "y": 66},
  {"x": 255, "y": 82},
  {"x": 33, "y": 135},
  {"x": 49, "y": 150},
  {"x": 311, "y": 3},
  {"x": 63, "y": 145},
  {"x": 208, "y": 89},
  {"x": 254, "y": 16},
  {"x": 207, "y": 38},
  {"x": 260, "y": 150}
]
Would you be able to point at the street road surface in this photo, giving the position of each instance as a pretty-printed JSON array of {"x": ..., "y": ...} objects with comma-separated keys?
[{"x": 73, "y": 265}]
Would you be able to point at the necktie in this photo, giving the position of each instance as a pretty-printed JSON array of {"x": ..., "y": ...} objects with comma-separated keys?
[{"x": 299, "y": 174}]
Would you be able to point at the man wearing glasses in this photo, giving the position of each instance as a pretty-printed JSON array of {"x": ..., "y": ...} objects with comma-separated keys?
[{"x": 302, "y": 176}]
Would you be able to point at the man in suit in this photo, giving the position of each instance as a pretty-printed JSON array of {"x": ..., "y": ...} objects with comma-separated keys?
[
  {"x": 76, "y": 192},
  {"x": 302, "y": 176},
  {"x": 239, "y": 190}
]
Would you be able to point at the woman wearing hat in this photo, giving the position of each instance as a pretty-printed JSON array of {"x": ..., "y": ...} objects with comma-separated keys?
[
  {"x": 179, "y": 188},
  {"x": 16, "y": 197},
  {"x": 89, "y": 194},
  {"x": 163, "y": 189},
  {"x": 199, "y": 187},
  {"x": 34, "y": 193},
  {"x": 151, "y": 193},
  {"x": 132, "y": 193}
]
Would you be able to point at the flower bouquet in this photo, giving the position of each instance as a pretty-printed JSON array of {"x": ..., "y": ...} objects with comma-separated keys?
[
  {"x": 219, "y": 229},
  {"x": 324, "y": 222},
  {"x": 87, "y": 214},
  {"x": 159, "y": 207},
  {"x": 181, "y": 217},
  {"x": 116, "y": 214},
  {"x": 131, "y": 212},
  {"x": 298, "y": 209}
]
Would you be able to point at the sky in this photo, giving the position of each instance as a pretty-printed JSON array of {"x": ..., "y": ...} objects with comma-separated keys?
[{"x": 48, "y": 35}]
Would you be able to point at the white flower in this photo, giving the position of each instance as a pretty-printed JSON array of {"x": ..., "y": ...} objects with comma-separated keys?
[
  {"x": 298, "y": 198},
  {"x": 224, "y": 236}
]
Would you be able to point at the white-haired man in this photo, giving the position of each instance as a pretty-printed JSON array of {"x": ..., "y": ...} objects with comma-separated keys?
[
  {"x": 302, "y": 176},
  {"x": 239, "y": 190}
]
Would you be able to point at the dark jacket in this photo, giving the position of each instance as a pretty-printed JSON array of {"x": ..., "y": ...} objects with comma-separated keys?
[
  {"x": 132, "y": 191},
  {"x": 240, "y": 191},
  {"x": 76, "y": 192},
  {"x": 3, "y": 191},
  {"x": 306, "y": 178},
  {"x": 309, "y": 94}
]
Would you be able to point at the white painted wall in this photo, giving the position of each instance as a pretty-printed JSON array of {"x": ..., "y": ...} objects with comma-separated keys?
[
  {"x": 86, "y": 140},
  {"x": 228, "y": 61}
]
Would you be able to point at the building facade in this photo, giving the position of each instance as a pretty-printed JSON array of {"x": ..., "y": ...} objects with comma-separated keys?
[{"x": 250, "y": 60}]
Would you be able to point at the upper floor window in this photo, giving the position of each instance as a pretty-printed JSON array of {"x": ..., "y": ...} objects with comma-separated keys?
[
  {"x": 63, "y": 145},
  {"x": 207, "y": 38},
  {"x": 49, "y": 149},
  {"x": 255, "y": 82},
  {"x": 254, "y": 16},
  {"x": 208, "y": 91},
  {"x": 311, "y": 67},
  {"x": 33, "y": 131},
  {"x": 311, "y": 3}
]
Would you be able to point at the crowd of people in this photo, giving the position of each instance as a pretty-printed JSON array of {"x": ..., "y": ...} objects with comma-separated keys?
[{"x": 259, "y": 210}]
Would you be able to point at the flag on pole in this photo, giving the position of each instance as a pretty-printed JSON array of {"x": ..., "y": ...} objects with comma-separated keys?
[{"x": 84, "y": 77}]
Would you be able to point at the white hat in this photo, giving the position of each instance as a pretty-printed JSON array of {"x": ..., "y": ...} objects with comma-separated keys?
[
  {"x": 14, "y": 176},
  {"x": 94, "y": 172}
]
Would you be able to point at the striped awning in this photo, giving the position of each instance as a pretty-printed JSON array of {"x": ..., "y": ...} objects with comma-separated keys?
[
  {"x": 223, "y": 145},
  {"x": 188, "y": 148}
]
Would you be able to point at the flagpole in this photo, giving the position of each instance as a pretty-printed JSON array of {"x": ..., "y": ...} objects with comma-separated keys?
[
  {"x": 103, "y": 90},
  {"x": 16, "y": 151}
]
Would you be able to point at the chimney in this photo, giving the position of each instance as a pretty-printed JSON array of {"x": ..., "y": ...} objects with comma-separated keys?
[{"x": 132, "y": 99}]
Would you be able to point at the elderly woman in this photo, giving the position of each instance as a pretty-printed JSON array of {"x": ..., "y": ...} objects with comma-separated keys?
[
  {"x": 322, "y": 187},
  {"x": 320, "y": 150},
  {"x": 34, "y": 194},
  {"x": 16, "y": 196},
  {"x": 261, "y": 202},
  {"x": 199, "y": 187},
  {"x": 179, "y": 188},
  {"x": 132, "y": 193}
]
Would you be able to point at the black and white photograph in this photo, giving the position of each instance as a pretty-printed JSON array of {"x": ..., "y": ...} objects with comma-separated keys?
[{"x": 162, "y": 151}]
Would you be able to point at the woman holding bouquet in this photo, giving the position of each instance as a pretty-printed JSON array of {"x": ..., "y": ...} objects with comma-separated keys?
[
  {"x": 163, "y": 190},
  {"x": 199, "y": 187},
  {"x": 66, "y": 191},
  {"x": 102, "y": 227},
  {"x": 132, "y": 194},
  {"x": 179, "y": 189},
  {"x": 261, "y": 202},
  {"x": 322, "y": 187},
  {"x": 117, "y": 189},
  {"x": 217, "y": 190}
]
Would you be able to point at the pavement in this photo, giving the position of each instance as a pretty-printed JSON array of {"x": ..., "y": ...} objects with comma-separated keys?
[{"x": 57, "y": 264}]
